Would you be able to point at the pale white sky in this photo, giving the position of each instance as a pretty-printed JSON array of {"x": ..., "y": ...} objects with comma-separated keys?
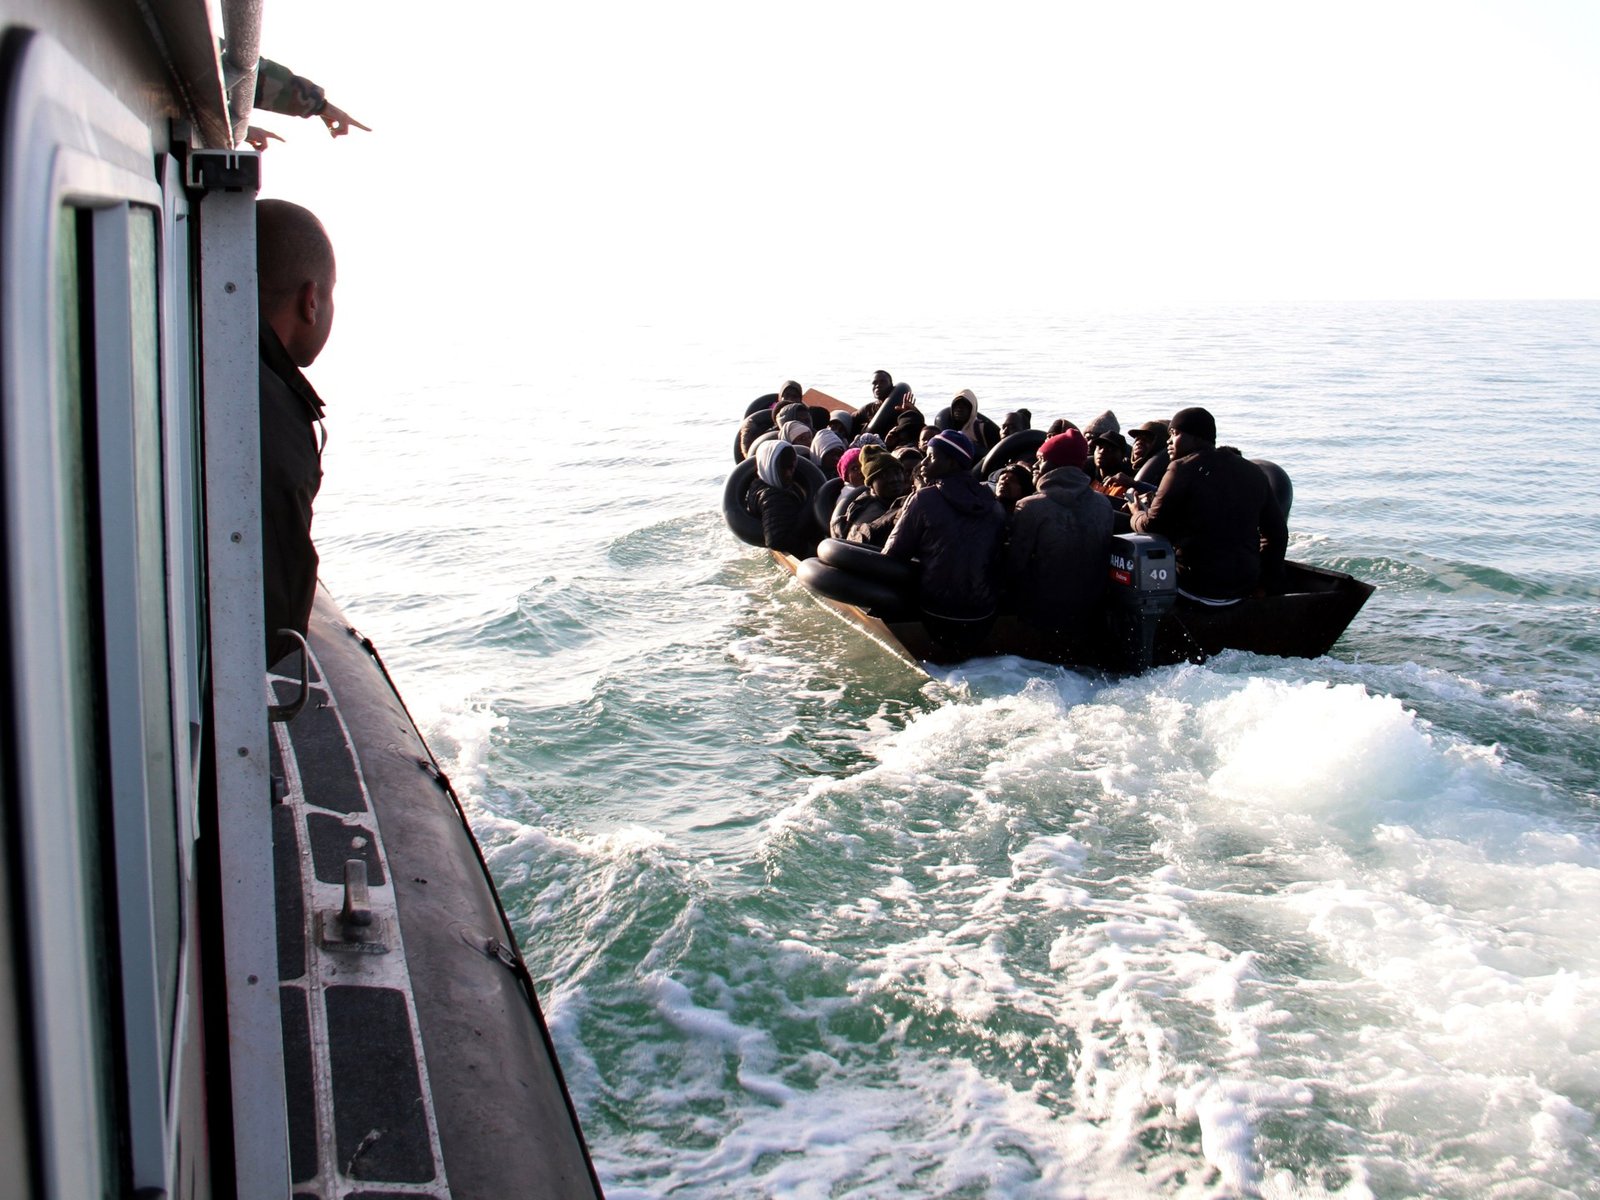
[{"x": 554, "y": 165}]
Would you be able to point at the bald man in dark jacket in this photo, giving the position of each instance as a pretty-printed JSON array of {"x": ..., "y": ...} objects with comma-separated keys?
[{"x": 295, "y": 276}]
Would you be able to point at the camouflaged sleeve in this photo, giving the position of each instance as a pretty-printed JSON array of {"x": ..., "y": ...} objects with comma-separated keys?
[{"x": 280, "y": 90}]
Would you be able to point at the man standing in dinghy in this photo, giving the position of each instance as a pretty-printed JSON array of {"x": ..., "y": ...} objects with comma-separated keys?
[
  {"x": 954, "y": 525},
  {"x": 295, "y": 275}
]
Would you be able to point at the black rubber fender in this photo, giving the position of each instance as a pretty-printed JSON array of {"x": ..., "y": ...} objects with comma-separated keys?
[
  {"x": 771, "y": 435},
  {"x": 739, "y": 432},
  {"x": 1278, "y": 480},
  {"x": 759, "y": 403},
  {"x": 850, "y": 589},
  {"x": 809, "y": 476},
  {"x": 1009, "y": 449},
  {"x": 883, "y": 420},
  {"x": 869, "y": 563},
  {"x": 746, "y": 526},
  {"x": 823, "y": 501}
]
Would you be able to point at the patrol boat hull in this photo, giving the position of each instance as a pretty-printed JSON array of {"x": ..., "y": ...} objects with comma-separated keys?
[{"x": 415, "y": 1050}]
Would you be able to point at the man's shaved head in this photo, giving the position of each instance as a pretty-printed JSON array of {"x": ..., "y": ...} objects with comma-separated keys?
[
  {"x": 294, "y": 277},
  {"x": 292, "y": 248}
]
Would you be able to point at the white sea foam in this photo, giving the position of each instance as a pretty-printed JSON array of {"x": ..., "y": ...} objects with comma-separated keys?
[{"x": 1167, "y": 1015}]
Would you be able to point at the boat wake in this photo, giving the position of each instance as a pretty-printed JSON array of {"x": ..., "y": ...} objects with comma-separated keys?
[{"x": 1232, "y": 928}]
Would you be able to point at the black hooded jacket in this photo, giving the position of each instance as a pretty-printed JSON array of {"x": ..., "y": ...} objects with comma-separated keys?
[
  {"x": 1056, "y": 551},
  {"x": 785, "y": 518},
  {"x": 954, "y": 526},
  {"x": 868, "y": 520},
  {"x": 1225, "y": 524}
]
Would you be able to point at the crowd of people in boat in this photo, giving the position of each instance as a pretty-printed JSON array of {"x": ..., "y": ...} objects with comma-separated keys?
[{"x": 1030, "y": 537}]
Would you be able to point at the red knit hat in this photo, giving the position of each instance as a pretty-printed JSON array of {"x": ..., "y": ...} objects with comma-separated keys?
[{"x": 1064, "y": 450}]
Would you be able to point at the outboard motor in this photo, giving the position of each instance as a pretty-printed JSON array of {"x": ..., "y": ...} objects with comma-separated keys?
[{"x": 1144, "y": 586}]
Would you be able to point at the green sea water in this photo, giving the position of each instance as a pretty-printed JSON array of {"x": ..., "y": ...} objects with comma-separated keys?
[{"x": 809, "y": 922}]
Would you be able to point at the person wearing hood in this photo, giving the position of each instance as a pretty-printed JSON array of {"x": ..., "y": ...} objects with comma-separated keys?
[
  {"x": 962, "y": 414},
  {"x": 764, "y": 420},
  {"x": 780, "y": 502},
  {"x": 788, "y": 410},
  {"x": 1226, "y": 527},
  {"x": 827, "y": 447},
  {"x": 954, "y": 525},
  {"x": 798, "y": 434},
  {"x": 874, "y": 511},
  {"x": 790, "y": 405},
  {"x": 1056, "y": 545},
  {"x": 849, "y": 470}
]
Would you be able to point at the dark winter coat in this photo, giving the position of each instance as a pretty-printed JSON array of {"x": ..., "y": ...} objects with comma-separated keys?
[
  {"x": 1056, "y": 551},
  {"x": 291, "y": 475},
  {"x": 954, "y": 526},
  {"x": 786, "y": 521},
  {"x": 1223, "y": 521},
  {"x": 839, "y": 523},
  {"x": 868, "y": 520}
]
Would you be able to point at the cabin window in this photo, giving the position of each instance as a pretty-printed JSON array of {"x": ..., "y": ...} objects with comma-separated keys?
[
  {"x": 114, "y": 484},
  {"x": 74, "y": 379},
  {"x": 128, "y": 491},
  {"x": 149, "y": 506}
]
